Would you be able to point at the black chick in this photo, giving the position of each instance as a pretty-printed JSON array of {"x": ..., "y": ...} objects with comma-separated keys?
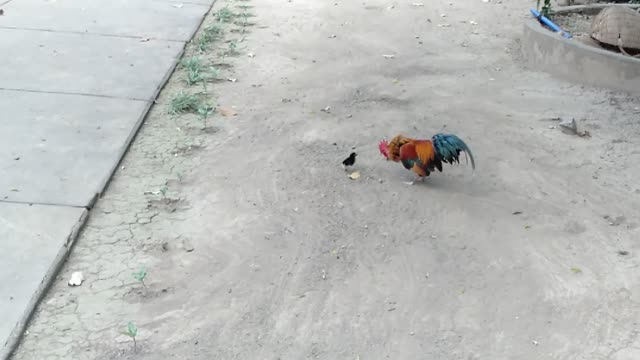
[{"x": 349, "y": 161}]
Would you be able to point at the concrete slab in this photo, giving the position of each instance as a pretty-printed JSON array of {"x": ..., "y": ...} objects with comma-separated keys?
[
  {"x": 85, "y": 64},
  {"x": 137, "y": 18},
  {"x": 60, "y": 149},
  {"x": 35, "y": 240},
  {"x": 578, "y": 62}
]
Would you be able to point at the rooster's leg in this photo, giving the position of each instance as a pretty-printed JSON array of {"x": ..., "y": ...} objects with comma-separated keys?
[{"x": 415, "y": 178}]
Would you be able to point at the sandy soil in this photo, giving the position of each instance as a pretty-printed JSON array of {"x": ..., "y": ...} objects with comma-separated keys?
[{"x": 262, "y": 248}]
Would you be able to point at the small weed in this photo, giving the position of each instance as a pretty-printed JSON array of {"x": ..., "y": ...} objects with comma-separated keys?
[
  {"x": 247, "y": 7},
  {"x": 193, "y": 65},
  {"x": 546, "y": 9},
  {"x": 204, "y": 112},
  {"x": 214, "y": 72},
  {"x": 213, "y": 30},
  {"x": 193, "y": 62},
  {"x": 180, "y": 176},
  {"x": 163, "y": 191},
  {"x": 141, "y": 275},
  {"x": 132, "y": 332},
  {"x": 225, "y": 15},
  {"x": 576, "y": 270},
  {"x": 233, "y": 45},
  {"x": 183, "y": 102},
  {"x": 209, "y": 34},
  {"x": 232, "y": 49}
]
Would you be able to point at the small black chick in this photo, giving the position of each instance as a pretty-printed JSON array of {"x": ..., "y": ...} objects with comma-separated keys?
[{"x": 349, "y": 161}]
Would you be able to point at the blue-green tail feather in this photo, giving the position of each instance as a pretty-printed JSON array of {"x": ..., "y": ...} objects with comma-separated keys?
[{"x": 448, "y": 148}]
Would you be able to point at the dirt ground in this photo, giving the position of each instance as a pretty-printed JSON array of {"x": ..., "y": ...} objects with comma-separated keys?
[{"x": 258, "y": 246}]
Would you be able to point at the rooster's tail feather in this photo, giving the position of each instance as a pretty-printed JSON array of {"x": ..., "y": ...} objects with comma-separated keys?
[{"x": 448, "y": 148}]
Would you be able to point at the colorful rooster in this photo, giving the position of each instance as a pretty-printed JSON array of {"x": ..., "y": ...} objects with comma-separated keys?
[{"x": 424, "y": 156}]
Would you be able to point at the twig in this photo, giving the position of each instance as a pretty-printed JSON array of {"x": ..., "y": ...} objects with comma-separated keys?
[{"x": 622, "y": 50}]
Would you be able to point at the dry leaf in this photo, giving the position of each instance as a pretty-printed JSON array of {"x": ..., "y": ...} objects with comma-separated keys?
[
  {"x": 232, "y": 80},
  {"x": 144, "y": 40},
  {"x": 227, "y": 111},
  {"x": 355, "y": 175}
]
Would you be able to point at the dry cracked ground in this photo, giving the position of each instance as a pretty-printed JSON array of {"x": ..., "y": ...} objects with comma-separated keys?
[{"x": 256, "y": 244}]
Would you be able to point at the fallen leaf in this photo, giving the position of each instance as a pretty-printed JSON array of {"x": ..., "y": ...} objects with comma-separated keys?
[
  {"x": 144, "y": 40},
  {"x": 355, "y": 175},
  {"x": 326, "y": 109},
  {"x": 332, "y": 36},
  {"x": 516, "y": 213},
  {"x": 15, "y": 190},
  {"x": 76, "y": 279},
  {"x": 188, "y": 247},
  {"x": 576, "y": 270},
  {"x": 232, "y": 80},
  {"x": 527, "y": 226},
  {"x": 227, "y": 111}
]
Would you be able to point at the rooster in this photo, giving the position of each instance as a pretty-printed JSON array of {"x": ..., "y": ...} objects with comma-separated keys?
[{"x": 424, "y": 156}]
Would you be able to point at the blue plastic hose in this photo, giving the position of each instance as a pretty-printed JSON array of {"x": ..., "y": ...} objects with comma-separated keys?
[{"x": 546, "y": 21}]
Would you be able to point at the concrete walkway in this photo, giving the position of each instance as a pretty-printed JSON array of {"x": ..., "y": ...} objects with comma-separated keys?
[{"x": 77, "y": 79}]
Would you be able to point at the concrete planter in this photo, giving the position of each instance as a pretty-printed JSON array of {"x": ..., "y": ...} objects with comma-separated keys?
[{"x": 575, "y": 61}]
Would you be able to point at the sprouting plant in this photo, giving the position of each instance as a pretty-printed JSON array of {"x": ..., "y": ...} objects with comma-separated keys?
[
  {"x": 546, "y": 8},
  {"x": 214, "y": 73},
  {"x": 193, "y": 66},
  {"x": 132, "y": 332},
  {"x": 183, "y": 102},
  {"x": 209, "y": 35},
  {"x": 204, "y": 112},
  {"x": 140, "y": 276},
  {"x": 233, "y": 45},
  {"x": 224, "y": 15},
  {"x": 232, "y": 49},
  {"x": 163, "y": 190},
  {"x": 213, "y": 30},
  {"x": 193, "y": 62}
]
